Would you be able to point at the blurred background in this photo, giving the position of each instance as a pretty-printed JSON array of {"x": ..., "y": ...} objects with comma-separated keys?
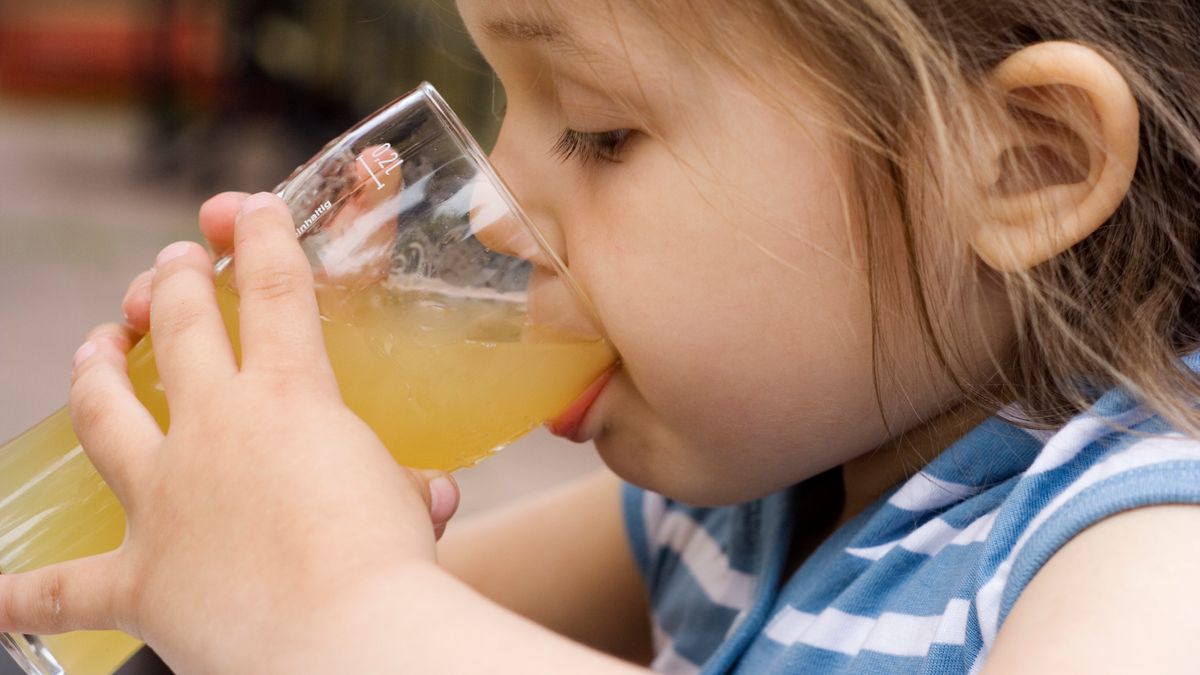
[{"x": 119, "y": 117}]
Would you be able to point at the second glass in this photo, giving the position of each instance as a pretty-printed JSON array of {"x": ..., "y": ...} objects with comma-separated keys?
[{"x": 452, "y": 327}]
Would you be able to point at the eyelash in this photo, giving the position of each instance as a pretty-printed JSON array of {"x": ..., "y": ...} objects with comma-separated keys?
[{"x": 601, "y": 146}]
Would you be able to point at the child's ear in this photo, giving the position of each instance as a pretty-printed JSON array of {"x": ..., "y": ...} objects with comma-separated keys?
[{"x": 1066, "y": 154}]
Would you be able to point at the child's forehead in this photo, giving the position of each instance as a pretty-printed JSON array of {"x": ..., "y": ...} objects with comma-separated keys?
[
  {"x": 573, "y": 22},
  {"x": 613, "y": 37},
  {"x": 544, "y": 19}
]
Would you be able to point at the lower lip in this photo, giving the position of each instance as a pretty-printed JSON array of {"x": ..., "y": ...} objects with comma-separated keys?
[{"x": 569, "y": 423}]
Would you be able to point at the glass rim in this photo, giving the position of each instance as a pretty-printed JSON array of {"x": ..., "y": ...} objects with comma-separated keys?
[{"x": 458, "y": 133}]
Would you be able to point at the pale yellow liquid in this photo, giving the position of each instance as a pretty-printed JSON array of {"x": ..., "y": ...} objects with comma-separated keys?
[{"x": 443, "y": 381}]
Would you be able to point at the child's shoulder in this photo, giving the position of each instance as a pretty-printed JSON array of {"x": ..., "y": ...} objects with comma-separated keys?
[
  {"x": 1117, "y": 456},
  {"x": 944, "y": 554}
]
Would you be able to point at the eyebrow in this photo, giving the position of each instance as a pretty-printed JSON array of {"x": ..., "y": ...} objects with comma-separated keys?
[
  {"x": 558, "y": 37},
  {"x": 516, "y": 30}
]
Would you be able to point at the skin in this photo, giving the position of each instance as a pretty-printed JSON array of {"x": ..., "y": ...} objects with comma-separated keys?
[
  {"x": 732, "y": 385},
  {"x": 691, "y": 246}
]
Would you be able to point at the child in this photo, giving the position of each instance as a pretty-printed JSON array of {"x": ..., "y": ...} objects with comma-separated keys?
[{"x": 906, "y": 298}]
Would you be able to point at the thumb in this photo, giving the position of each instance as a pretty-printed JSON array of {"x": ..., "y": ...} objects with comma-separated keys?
[
  {"x": 74, "y": 595},
  {"x": 442, "y": 498}
]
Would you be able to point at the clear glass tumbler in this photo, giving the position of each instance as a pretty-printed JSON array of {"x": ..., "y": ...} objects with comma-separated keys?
[{"x": 452, "y": 327}]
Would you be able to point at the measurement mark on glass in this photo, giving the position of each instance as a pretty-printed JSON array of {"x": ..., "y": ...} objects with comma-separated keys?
[{"x": 385, "y": 160}]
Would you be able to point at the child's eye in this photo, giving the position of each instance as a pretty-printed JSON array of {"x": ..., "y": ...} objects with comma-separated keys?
[{"x": 602, "y": 146}]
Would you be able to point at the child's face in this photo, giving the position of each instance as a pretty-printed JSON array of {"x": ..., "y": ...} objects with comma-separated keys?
[{"x": 715, "y": 249}]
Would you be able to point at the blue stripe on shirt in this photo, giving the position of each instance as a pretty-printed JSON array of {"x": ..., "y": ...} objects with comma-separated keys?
[{"x": 922, "y": 579}]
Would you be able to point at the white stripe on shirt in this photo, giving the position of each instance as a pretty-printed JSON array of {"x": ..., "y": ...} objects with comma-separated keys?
[
  {"x": 1146, "y": 452},
  {"x": 932, "y": 537},
  {"x": 704, "y": 559},
  {"x": 924, "y": 492},
  {"x": 1079, "y": 433},
  {"x": 892, "y": 633},
  {"x": 654, "y": 506}
]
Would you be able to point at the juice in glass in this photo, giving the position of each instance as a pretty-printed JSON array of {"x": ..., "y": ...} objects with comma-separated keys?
[{"x": 444, "y": 376}]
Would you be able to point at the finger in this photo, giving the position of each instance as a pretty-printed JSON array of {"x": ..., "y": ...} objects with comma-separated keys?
[
  {"x": 116, "y": 431},
  {"x": 123, "y": 338},
  {"x": 136, "y": 304},
  {"x": 75, "y": 595},
  {"x": 191, "y": 347},
  {"x": 280, "y": 325},
  {"x": 442, "y": 496},
  {"x": 217, "y": 216}
]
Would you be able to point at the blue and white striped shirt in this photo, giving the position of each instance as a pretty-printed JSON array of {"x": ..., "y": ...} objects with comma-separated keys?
[{"x": 920, "y": 581}]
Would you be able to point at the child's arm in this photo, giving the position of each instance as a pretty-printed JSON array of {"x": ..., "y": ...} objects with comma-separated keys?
[
  {"x": 1119, "y": 597},
  {"x": 560, "y": 559}
]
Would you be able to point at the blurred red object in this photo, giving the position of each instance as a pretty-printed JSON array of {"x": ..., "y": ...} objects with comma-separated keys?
[{"x": 114, "y": 51}]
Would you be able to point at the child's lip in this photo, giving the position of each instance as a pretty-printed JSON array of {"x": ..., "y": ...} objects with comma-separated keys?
[{"x": 569, "y": 422}]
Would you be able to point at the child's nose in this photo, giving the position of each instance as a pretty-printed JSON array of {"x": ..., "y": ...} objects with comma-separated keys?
[
  {"x": 495, "y": 223},
  {"x": 497, "y": 226}
]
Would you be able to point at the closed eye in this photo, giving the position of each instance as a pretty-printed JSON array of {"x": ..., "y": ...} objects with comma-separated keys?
[{"x": 587, "y": 147}]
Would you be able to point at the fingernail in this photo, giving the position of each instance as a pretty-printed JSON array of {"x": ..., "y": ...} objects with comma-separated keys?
[
  {"x": 87, "y": 349},
  {"x": 261, "y": 200},
  {"x": 442, "y": 499},
  {"x": 176, "y": 250}
]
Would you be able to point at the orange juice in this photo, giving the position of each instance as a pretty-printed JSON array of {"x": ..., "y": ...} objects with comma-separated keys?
[{"x": 443, "y": 378}]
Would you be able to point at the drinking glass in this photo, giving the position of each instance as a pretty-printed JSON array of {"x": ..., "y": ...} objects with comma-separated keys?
[{"x": 452, "y": 328}]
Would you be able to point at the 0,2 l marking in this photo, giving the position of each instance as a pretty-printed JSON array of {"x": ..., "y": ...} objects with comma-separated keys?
[{"x": 385, "y": 161}]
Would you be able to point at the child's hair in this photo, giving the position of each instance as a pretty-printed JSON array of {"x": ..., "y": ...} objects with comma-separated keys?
[{"x": 901, "y": 82}]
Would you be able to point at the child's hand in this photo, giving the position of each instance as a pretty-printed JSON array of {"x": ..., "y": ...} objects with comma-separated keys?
[
  {"x": 217, "y": 218},
  {"x": 268, "y": 498}
]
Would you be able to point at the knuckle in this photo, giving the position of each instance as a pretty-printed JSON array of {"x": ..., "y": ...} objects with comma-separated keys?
[
  {"x": 172, "y": 310},
  {"x": 177, "y": 319},
  {"x": 275, "y": 282},
  {"x": 87, "y": 412},
  {"x": 113, "y": 333},
  {"x": 420, "y": 486},
  {"x": 292, "y": 383},
  {"x": 87, "y": 399},
  {"x": 45, "y": 603},
  {"x": 281, "y": 381}
]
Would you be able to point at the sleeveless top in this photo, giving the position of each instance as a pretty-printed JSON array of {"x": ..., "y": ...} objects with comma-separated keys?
[{"x": 921, "y": 580}]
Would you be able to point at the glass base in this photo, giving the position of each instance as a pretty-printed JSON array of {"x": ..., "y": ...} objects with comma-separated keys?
[{"x": 30, "y": 654}]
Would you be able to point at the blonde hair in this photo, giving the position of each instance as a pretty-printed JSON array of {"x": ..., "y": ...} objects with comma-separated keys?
[{"x": 901, "y": 81}]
